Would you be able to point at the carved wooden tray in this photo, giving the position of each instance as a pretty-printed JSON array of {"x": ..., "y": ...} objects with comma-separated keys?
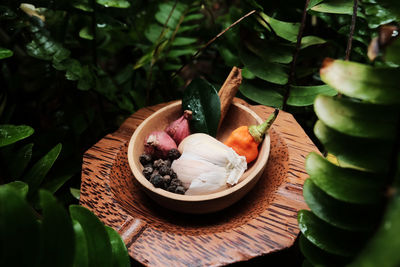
[{"x": 264, "y": 221}]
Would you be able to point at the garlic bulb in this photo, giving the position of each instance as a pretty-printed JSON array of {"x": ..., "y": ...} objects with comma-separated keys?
[{"x": 207, "y": 165}]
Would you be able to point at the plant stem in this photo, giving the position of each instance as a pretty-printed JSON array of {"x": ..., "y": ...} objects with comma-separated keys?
[
  {"x": 295, "y": 55},
  {"x": 212, "y": 40},
  {"x": 352, "y": 27}
]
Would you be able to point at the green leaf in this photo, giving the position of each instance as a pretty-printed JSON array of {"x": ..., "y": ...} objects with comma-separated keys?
[
  {"x": 163, "y": 13},
  {"x": 56, "y": 183},
  {"x": 181, "y": 52},
  {"x": 98, "y": 242},
  {"x": 153, "y": 32},
  {"x": 391, "y": 53},
  {"x": 19, "y": 187},
  {"x": 310, "y": 40},
  {"x": 192, "y": 17},
  {"x": 317, "y": 256},
  {"x": 262, "y": 95},
  {"x": 17, "y": 162},
  {"x": 372, "y": 84},
  {"x": 20, "y": 242},
  {"x": 329, "y": 238},
  {"x": 355, "y": 118},
  {"x": 345, "y": 184},
  {"x": 335, "y": 7},
  {"x": 268, "y": 71},
  {"x": 85, "y": 33},
  {"x": 248, "y": 75},
  {"x": 392, "y": 5},
  {"x": 37, "y": 50},
  {"x": 285, "y": 30},
  {"x": 377, "y": 15},
  {"x": 36, "y": 174},
  {"x": 368, "y": 154},
  {"x": 58, "y": 235},
  {"x": 114, "y": 3},
  {"x": 383, "y": 249},
  {"x": 5, "y": 53},
  {"x": 81, "y": 257},
  {"x": 178, "y": 41},
  {"x": 10, "y": 134},
  {"x": 119, "y": 250},
  {"x": 74, "y": 69},
  {"x": 76, "y": 193},
  {"x": 270, "y": 51},
  {"x": 337, "y": 213},
  {"x": 305, "y": 95},
  {"x": 202, "y": 99}
]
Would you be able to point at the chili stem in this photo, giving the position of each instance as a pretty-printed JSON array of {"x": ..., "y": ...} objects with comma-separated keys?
[{"x": 258, "y": 131}]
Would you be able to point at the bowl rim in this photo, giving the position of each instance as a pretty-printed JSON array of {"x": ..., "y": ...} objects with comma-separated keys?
[{"x": 193, "y": 198}]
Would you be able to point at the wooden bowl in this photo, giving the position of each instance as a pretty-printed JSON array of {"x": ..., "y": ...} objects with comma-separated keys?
[{"x": 237, "y": 115}]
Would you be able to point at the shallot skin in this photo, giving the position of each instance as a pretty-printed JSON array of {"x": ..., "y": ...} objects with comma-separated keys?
[
  {"x": 180, "y": 128},
  {"x": 158, "y": 144}
]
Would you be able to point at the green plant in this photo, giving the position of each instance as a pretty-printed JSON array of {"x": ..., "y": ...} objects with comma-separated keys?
[{"x": 347, "y": 201}]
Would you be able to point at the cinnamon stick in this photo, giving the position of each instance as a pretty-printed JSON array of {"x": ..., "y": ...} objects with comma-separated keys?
[{"x": 229, "y": 90}]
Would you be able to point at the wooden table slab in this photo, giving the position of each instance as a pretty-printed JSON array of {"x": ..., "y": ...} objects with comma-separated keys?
[{"x": 264, "y": 221}]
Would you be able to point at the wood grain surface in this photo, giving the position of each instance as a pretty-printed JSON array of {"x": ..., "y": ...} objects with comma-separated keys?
[{"x": 264, "y": 221}]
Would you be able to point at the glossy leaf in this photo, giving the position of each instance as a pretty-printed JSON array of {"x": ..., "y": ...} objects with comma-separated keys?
[
  {"x": 367, "y": 154},
  {"x": 378, "y": 15},
  {"x": 5, "y": 53},
  {"x": 270, "y": 51},
  {"x": 262, "y": 95},
  {"x": 202, "y": 99},
  {"x": 268, "y": 71},
  {"x": 392, "y": 52},
  {"x": 58, "y": 235},
  {"x": 98, "y": 242},
  {"x": 317, "y": 256},
  {"x": 19, "y": 187},
  {"x": 310, "y": 40},
  {"x": 345, "y": 184},
  {"x": 179, "y": 41},
  {"x": 56, "y": 183},
  {"x": 305, "y": 95},
  {"x": 340, "y": 214},
  {"x": 392, "y": 5},
  {"x": 329, "y": 238},
  {"x": 10, "y": 134},
  {"x": 76, "y": 193},
  {"x": 372, "y": 84},
  {"x": 81, "y": 257},
  {"x": 383, "y": 249},
  {"x": 20, "y": 242},
  {"x": 119, "y": 250},
  {"x": 17, "y": 163},
  {"x": 355, "y": 118},
  {"x": 36, "y": 174},
  {"x": 163, "y": 14},
  {"x": 285, "y": 30},
  {"x": 335, "y": 7},
  {"x": 114, "y": 3},
  {"x": 85, "y": 33}
]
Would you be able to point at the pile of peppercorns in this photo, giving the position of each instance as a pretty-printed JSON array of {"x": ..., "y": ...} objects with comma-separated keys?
[{"x": 159, "y": 173}]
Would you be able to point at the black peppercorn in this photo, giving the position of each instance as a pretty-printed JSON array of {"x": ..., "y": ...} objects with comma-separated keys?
[
  {"x": 174, "y": 154},
  {"x": 145, "y": 159},
  {"x": 158, "y": 163},
  {"x": 164, "y": 170},
  {"x": 147, "y": 171},
  {"x": 167, "y": 180},
  {"x": 180, "y": 190},
  {"x": 158, "y": 181},
  {"x": 171, "y": 188}
]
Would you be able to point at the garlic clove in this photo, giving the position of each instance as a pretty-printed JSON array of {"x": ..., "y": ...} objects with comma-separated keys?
[
  {"x": 206, "y": 184},
  {"x": 158, "y": 144},
  {"x": 207, "y": 165},
  {"x": 179, "y": 129}
]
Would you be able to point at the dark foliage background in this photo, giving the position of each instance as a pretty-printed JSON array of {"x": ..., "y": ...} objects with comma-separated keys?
[{"x": 74, "y": 70}]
